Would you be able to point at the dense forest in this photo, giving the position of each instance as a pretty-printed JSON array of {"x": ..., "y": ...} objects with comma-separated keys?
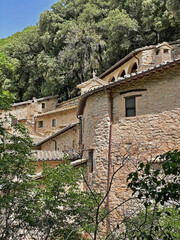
[{"x": 78, "y": 37}]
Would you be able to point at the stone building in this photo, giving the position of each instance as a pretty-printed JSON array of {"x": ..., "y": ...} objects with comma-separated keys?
[
  {"x": 44, "y": 116},
  {"x": 50, "y": 122},
  {"x": 65, "y": 140},
  {"x": 26, "y": 111},
  {"x": 130, "y": 113}
]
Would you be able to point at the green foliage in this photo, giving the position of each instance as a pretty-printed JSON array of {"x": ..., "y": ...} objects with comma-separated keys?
[
  {"x": 157, "y": 186},
  {"x": 63, "y": 209},
  {"x": 78, "y": 37},
  {"x": 166, "y": 224},
  {"x": 6, "y": 99},
  {"x": 55, "y": 207},
  {"x": 16, "y": 169},
  {"x": 160, "y": 184},
  {"x": 4, "y": 63}
]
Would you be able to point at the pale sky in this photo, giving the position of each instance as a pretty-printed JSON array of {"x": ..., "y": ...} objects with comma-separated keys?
[{"x": 15, "y": 15}]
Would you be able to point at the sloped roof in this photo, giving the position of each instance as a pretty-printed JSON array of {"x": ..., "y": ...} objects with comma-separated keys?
[
  {"x": 21, "y": 103},
  {"x": 57, "y": 133},
  {"x": 31, "y": 101},
  {"x": 129, "y": 56},
  {"x": 95, "y": 79},
  {"x": 69, "y": 102},
  {"x": 46, "y": 98},
  {"x": 126, "y": 78},
  {"x": 48, "y": 155},
  {"x": 57, "y": 110}
]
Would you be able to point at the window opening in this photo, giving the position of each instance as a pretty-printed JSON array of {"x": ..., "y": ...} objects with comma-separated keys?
[
  {"x": 40, "y": 124},
  {"x": 123, "y": 74},
  {"x": 43, "y": 105},
  {"x": 130, "y": 103},
  {"x": 91, "y": 167},
  {"x": 113, "y": 79},
  {"x": 54, "y": 123},
  {"x": 157, "y": 51},
  {"x": 166, "y": 50},
  {"x": 134, "y": 68}
]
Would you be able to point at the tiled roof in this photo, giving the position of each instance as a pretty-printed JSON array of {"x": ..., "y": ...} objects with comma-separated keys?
[
  {"x": 48, "y": 155},
  {"x": 57, "y": 110},
  {"x": 31, "y": 101},
  {"x": 126, "y": 78},
  {"x": 46, "y": 98},
  {"x": 21, "y": 103},
  {"x": 70, "y": 102},
  {"x": 128, "y": 57}
]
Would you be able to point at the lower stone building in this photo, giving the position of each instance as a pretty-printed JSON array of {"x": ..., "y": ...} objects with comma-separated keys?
[
  {"x": 65, "y": 140},
  {"x": 132, "y": 119}
]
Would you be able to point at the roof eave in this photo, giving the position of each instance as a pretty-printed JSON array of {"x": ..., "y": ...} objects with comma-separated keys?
[
  {"x": 149, "y": 71},
  {"x": 56, "y": 134}
]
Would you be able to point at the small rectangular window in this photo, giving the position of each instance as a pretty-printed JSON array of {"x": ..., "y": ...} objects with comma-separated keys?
[
  {"x": 54, "y": 123},
  {"x": 43, "y": 105},
  {"x": 166, "y": 50},
  {"x": 91, "y": 164},
  {"x": 40, "y": 124},
  {"x": 130, "y": 106}
]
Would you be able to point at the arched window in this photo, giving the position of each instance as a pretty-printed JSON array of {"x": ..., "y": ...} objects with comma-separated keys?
[
  {"x": 134, "y": 68},
  {"x": 122, "y": 74},
  {"x": 113, "y": 79}
]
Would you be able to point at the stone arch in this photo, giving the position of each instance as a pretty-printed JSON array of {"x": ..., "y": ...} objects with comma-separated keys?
[
  {"x": 122, "y": 73},
  {"x": 132, "y": 68},
  {"x": 112, "y": 79}
]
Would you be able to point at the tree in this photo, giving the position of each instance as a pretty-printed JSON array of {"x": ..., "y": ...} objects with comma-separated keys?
[
  {"x": 16, "y": 170},
  {"x": 154, "y": 201},
  {"x": 61, "y": 209},
  {"x": 75, "y": 38},
  {"x": 157, "y": 186},
  {"x": 7, "y": 71}
]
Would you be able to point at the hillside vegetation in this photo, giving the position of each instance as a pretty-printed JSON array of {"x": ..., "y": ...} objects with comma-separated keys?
[{"x": 78, "y": 37}]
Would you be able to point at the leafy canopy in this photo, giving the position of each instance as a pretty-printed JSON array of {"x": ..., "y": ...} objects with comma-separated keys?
[{"x": 75, "y": 38}]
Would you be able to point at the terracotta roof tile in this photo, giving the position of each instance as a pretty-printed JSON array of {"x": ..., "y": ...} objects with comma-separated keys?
[
  {"x": 57, "y": 110},
  {"x": 48, "y": 155}
]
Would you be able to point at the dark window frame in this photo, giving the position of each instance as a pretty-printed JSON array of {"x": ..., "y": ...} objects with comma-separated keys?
[
  {"x": 91, "y": 160},
  {"x": 40, "y": 124},
  {"x": 53, "y": 122},
  {"x": 113, "y": 79},
  {"x": 166, "y": 50},
  {"x": 130, "y": 108},
  {"x": 123, "y": 73},
  {"x": 43, "y": 105}
]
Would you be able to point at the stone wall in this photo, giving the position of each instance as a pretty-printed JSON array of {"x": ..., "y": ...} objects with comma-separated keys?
[
  {"x": 63, "y": 119},
  {"x": 69, "y": 103},
  {"x": 20, "y": 112},
  {"x": 158, "y": 92},
  {"x": 33, "y": 108},
  {"x": 141, "y": 138},
  {"x": 66, "y": 142},
  {"x": 50, "y": 104},
  {"x": 154, "y": 130},
  {"x": 96, "y": 133}
]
